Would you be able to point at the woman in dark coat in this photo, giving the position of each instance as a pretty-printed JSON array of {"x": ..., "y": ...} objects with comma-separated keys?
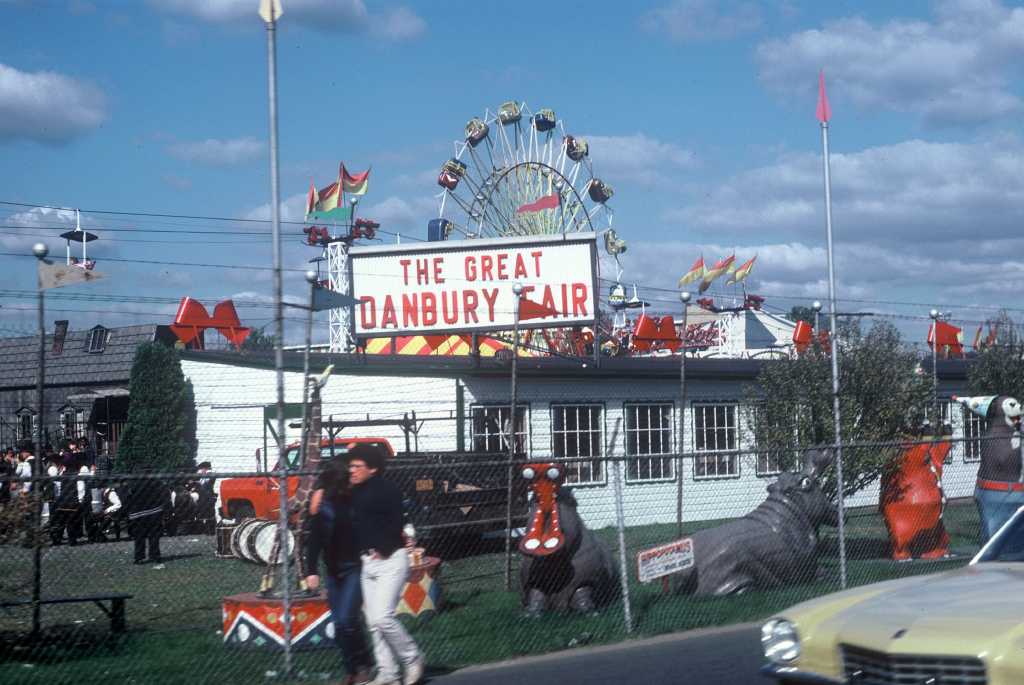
[{"x": 330, "y": 534}]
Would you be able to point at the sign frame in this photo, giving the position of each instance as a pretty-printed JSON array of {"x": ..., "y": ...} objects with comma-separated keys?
[
  {"x": 680, "y": 554},
  {"x": 433, "y": 248}
]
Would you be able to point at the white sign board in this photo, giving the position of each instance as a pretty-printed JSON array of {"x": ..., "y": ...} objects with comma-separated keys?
[
  {"x": 466, "y": 285},
  {"x": 665, "y": 559}
]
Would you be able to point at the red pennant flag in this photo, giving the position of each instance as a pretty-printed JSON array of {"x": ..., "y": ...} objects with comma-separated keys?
[
  {"x": 528, "y": 309},
  {"x": 824, "y": 112},
  {"x": 546, "y": 202}
]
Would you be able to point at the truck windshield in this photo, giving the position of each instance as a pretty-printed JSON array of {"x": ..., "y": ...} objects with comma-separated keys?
[{"x": 293, "y": 454}]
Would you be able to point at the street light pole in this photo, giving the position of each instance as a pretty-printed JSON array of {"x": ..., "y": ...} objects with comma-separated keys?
[
  {"x": 40, "y": 251},
  {"x": 684, "y": 297},
  {"x": 517, "y": 290},
  {"x": 934, "y": 314},
  {"x": 816, "y": 306}
]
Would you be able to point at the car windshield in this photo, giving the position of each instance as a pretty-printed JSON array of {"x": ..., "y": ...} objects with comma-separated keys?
[{"x": 1008, "y": 544}]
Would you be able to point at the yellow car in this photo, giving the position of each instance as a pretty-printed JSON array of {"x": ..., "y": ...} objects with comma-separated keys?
[{"x": 961, "y": 627}]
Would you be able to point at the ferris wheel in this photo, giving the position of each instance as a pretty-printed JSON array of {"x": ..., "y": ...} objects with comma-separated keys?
[{"x": 519, "y": 173}]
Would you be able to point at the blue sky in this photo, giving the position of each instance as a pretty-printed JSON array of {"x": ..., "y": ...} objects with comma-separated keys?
[{"x": 700, "y": 113}]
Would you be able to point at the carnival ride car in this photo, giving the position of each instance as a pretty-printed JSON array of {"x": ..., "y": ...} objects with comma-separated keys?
[{"x": 960, "y": 627}]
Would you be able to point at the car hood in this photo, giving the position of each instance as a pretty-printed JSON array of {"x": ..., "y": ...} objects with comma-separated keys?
[{"x": 959, "y": 612}]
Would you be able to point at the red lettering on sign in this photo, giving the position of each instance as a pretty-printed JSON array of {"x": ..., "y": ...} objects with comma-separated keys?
[
  {"x": 502, "y": 267},
  {"x": 549, "y": 298},
  {"x": 422, "y": 274},
  {"x": 520, "y": 271},
  {"x": 491, "y": 295},
  {"x": 438, "y": 263},
  {"x": 367, "y": 302},
  {"x": 486, "y": 264},
  {"x": 469, "y": 302},
  {"x": 450, "y": 312},
  {"x": 410, "y": 311},
  {"x": 537, "y": 254},
  {"x": 429, "y": 303},
  {"x": 470, "y": 268},
  {"x": 387, "y": 316},
  {"x": 579, "y": 299},
  {"x": 405, "y": 269}
]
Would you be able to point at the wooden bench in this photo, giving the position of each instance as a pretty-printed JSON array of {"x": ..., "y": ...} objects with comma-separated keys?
[{"x": 115, "y": 613}]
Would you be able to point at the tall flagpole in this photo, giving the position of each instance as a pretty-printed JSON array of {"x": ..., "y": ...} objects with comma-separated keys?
[{"x": 824, "y": 113}]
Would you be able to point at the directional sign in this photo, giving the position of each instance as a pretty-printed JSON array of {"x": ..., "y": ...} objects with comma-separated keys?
[{"x": 325, "y": 298}]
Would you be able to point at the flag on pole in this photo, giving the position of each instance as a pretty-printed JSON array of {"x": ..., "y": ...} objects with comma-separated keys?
[
  {"x": 742, "y": 271},
  {"x": 824, "y": 112},
  {"x": 59, "y": 275},
  {"x": 696, "y": 272},
  {"x": 353, "y": 184},
  {"x": 312, "y": 200},
  {"x": 977, "y": 339},
  {"x": 329, "y": 205},
  {"x": 547, "y": 202},
  {"x": 528, "y": 309},
  {"x": 945, "y": 338},
  {"x": 719, "y": 268}
]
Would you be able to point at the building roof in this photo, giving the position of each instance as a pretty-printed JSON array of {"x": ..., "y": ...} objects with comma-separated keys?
[
  {"x": 547, "y": 367},
  {"x": 75, "y": 365}
]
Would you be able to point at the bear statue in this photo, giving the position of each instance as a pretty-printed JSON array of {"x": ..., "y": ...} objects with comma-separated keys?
[
  {"x": 912, "y": 500},
  {"x": 774, "y": 545},
  {"x": 999, "y": 491},
  {"x": 564, "y": 565}
]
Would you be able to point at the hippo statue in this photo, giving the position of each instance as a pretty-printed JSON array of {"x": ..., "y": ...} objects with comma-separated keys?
[
  {"x": 999, "y": 491},
  {"x": 912, "y": 499},
  {"x": 773, "y": 545},
  {"x": 564, "y": 565}
]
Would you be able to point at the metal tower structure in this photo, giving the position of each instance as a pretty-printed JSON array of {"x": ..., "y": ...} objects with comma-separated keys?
[{"x": 337, "y": 272}]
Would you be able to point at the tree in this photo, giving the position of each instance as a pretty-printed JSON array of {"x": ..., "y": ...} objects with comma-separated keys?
[
  {"x": 162, "y": 407},
  {"x": 258, "y": 341},
  {"x": 998, "y": 370},
  {"x": 883, "y": 396}
]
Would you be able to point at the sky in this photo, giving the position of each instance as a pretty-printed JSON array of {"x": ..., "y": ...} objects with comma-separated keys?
[{"x": 701, "y": 114}]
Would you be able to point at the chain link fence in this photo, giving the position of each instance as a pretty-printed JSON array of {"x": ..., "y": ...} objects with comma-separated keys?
[{"x": 75, "y": 607}]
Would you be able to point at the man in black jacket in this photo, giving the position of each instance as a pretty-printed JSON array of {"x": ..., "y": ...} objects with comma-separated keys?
[
  {"x": 377, "y": 518},
  {"x": 146, "y": 500}
]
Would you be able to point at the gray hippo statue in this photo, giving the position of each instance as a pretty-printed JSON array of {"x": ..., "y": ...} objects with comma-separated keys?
[
  {"x": 774, "y": 545},
  {"x": 564, "y": 565}
]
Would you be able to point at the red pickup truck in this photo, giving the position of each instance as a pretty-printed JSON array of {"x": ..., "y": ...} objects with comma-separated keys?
[{"x": 260, "y": 496}]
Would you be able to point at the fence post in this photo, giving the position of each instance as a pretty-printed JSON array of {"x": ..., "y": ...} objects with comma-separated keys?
[{"x": 620, "y": 523}]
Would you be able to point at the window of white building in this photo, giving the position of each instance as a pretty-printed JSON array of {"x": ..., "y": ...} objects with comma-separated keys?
[
  {"x": 577, "y": 430},
  {"x": 715, "y": 439},
  {"x": 649, "y": 433}
]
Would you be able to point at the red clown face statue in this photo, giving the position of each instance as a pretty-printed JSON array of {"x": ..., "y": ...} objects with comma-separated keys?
[{"x": 544, "y": 536}]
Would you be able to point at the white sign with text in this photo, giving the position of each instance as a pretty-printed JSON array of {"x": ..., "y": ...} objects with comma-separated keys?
[{"x": 664, "y": 559}]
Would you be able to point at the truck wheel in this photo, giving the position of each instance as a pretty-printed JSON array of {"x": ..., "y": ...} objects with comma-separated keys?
[{"x": 242, "y": 510}]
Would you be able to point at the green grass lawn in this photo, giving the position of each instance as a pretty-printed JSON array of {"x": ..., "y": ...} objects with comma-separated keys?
[{"x": 175, "y": 618}]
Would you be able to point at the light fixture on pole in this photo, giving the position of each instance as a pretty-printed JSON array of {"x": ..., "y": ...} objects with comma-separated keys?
[
  {"x": 684, "y": 297},
  {"x": 816, "y": 306}
]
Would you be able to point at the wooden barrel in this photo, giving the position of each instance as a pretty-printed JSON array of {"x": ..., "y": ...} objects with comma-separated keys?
[{"x": 223, "y": 536}]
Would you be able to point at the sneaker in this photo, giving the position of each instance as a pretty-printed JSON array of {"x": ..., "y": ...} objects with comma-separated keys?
[
  {"x": 159, "y": 567},
  {"x": 414, "y": 672}
]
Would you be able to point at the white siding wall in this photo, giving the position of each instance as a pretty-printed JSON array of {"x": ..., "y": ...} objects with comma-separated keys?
[{"x": 230, "y": 399}]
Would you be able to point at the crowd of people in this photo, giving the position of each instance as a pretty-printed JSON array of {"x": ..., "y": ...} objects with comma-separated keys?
[{"x": 83, "y": 501}]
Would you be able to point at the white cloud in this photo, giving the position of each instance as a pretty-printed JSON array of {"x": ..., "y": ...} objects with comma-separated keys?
[
  {"x": 293, "y": 208},
  {"x": 177, "y": 182},
  {"x": 350, "y": 16},
  {"x": 215, "y": 152},
  {"x": 47, "y": 107},
  {"x": 402, "y": 216},
  {"x": 637, "y": 158},
  {"x": 957, "y": 69},
  {"x": 688, "y": 21}
]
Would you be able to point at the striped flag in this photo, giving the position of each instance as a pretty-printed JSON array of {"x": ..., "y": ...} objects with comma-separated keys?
[
  {"x": 696, "y": 272},
  {"x": 547, "y": 202},
  {"x": 742, "y": 271},
  {"x": 824, "y": 112},
  {"x": 353, "y": 184},
  {"x": 312, "y": 200},
  {"x": 720, "y": 267}
]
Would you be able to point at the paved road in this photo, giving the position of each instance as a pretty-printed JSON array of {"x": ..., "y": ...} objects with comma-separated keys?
[{"x": 720, "y": 656}]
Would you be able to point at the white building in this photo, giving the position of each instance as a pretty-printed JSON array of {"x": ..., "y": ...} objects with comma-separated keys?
[{"x": 625, "y": 407}]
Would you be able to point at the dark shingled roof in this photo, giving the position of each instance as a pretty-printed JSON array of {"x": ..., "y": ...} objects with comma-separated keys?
[{"x": 19, "y": 358}]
